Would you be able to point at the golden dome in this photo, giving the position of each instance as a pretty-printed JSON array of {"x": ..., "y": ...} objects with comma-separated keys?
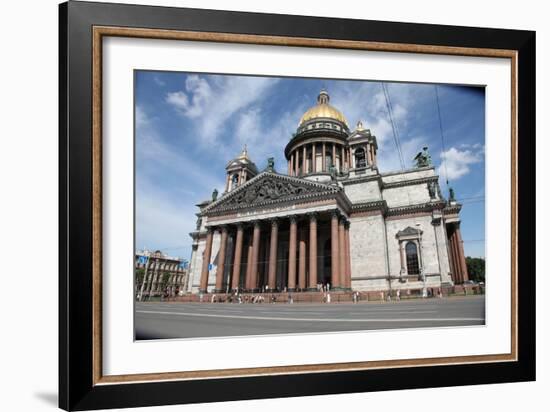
[{"x": 323, "y": 109}]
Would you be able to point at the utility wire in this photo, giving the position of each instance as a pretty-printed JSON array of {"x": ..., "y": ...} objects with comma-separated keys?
[
  {"x": 393, "y": 125},
  {"x": 444, "y": 151}
]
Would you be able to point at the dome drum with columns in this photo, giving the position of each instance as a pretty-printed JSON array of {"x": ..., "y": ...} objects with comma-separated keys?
[
  {"x": 333, "y": 220},
  {"x": 323, "y": 140}
]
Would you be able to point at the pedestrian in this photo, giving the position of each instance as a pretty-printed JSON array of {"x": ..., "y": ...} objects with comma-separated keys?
[
  {"x": 398, "y": 295},
  {"x": 382, "y": 297},
  {"x": 328, "y": 287},
  {"x": 328, "y": 297}
]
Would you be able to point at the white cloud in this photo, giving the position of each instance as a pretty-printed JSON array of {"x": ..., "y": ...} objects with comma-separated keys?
[
  {"x": 248, "y": 128},
  {"x": 211, "y": 103},
  {"x": 456, "y": 163},
  {"x": 192, "y": 104},
  {"x": 265, "y": 136},
  {"x": 155, "y": 157},
  {"x": 159, "y": 81},
  {"x": 366, "y": 101},
  {"x": 142, "y": 119},
  {"x": 388, "y": 159},
  {"x": 162, "y": 222}
]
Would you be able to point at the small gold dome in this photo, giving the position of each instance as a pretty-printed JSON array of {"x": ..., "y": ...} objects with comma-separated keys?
[
  {"x": 323, "y": 109},
  {"x": 244, "y": 154}
]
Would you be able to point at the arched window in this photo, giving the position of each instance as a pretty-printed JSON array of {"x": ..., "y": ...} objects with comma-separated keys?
[
  {"x": 234, "y": 181},
  {"x": 413, "y": 267},
  {"x": 360, "y": 158}
]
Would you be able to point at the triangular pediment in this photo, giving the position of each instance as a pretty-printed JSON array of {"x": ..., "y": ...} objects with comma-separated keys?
[
  {"x": 271, "y": 188},
  {"x": 409, "y": 231}
]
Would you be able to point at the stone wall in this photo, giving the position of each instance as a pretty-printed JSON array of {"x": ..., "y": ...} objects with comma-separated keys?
[
  {"x": 408, "y": 175},
  {"x": 196, "y": 266},
  {"x": 406, "y": 195},
  {"x": 363, "y": 191},
  {"x": 443, "y": 247},
  {"x": 368, "y": 252}
]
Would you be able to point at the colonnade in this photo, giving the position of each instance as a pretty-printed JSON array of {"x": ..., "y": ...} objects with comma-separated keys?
[
  {"x": 303, "y": 159},
  {"x": 302, "y": 269}
]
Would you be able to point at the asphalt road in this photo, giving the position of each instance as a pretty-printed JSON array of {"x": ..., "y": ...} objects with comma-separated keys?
[{"x": 162, "y": 320}]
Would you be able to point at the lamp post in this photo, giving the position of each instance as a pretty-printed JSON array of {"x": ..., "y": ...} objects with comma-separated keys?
[{"x": 142, "y": 288}]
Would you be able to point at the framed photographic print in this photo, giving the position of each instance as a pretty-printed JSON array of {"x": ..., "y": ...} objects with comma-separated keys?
[{"x": 259, "y": 205}]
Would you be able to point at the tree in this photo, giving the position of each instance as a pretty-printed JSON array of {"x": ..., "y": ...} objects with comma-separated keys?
[
  {"x": 140, "y": 273},
  {"x": 165, "y": 280},
  {"x": 476, "y": 268}
]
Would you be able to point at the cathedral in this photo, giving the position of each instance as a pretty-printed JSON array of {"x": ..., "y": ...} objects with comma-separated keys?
[{"x": 332, "y": 220}]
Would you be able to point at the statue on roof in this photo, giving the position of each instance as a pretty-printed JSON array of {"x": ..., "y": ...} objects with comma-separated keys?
[
  {"x": 451, "y": 195},
  {"x": 423, "y": 158},
  {"x": 270, "y": 165},
  {"x": 214, "y": 195},
  {"x": 332, "y": 170}
]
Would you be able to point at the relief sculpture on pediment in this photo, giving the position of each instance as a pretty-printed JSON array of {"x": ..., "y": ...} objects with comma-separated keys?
[{"x": 267, "y": 190}]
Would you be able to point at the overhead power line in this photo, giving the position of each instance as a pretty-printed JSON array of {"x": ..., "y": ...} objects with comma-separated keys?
[
  {"x": 396, "y": 139},
  {"x": 444, "y": 151}
]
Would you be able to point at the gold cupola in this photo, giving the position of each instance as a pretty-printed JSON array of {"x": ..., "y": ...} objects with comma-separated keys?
[
  {"x": 239, "y": 170},
  {"x": 323, "y": 110}
]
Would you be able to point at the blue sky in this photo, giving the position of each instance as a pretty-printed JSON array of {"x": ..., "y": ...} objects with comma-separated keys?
[{"x": 188, "y": 126}]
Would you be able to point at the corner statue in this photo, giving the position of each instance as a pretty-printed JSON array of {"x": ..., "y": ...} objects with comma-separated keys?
[
  {"x": 451, "y": 195},
  {"x": 214, "y": 195},
  {"x": 423, "y": 158}
]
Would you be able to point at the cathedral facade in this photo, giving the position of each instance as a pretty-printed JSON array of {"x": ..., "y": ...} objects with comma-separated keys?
[{"x": 333, "y": 219}]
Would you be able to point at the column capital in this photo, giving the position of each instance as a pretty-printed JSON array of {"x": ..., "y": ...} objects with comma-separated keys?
[
  {"x": 222, "y": 228},
  {"x": 312, "y": 215},
  {"x": 274, "y": 221},
  {"x": 256, "y": 223},
  {"x": 347, "y": 224},
  {"x": 293, "y": 218},
  {"x": 210, "y": 229},
  {"x": 335, "y": 213}
]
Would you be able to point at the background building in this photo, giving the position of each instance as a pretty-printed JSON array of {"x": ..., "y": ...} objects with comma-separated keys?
[{"x": 158, "y": 274}]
